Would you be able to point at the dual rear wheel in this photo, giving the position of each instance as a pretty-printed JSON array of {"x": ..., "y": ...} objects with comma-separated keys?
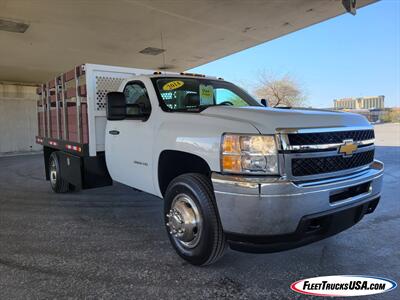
[{"x": 57, "y": 183}]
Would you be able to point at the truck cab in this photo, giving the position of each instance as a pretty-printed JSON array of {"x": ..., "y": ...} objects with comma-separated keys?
[
  {"x": 230, "y": 170},
  {"x": 164, "y": 115}
]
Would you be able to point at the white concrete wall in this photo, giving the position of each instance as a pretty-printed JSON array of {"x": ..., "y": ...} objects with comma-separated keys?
[{"x": 18, "y": 123}]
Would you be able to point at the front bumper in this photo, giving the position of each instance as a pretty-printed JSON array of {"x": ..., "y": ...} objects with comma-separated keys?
[{"x": 265, "y": 208}]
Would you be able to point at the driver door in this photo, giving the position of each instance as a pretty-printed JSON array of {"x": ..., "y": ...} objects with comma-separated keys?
[{"x": 129, "y": 142}]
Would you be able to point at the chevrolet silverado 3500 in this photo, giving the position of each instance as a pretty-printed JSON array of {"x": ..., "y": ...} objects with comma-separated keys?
[{"x": 230, "y": 170}]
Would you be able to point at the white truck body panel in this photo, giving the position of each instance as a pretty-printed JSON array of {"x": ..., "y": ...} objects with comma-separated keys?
[
  {"x": 129, "y": 154},
  {"x": 268, "y": 119}
]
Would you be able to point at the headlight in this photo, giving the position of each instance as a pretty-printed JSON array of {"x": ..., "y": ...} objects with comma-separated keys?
[{"x": 255, "y": 154}]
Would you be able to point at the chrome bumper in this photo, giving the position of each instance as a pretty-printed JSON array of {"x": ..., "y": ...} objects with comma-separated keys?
[{"x": 274, "y": 206}]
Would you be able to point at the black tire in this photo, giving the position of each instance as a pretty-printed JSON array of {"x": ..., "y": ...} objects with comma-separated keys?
[
  {"x": 211, "y": 242},
  {"x": 58, "y": 185}
]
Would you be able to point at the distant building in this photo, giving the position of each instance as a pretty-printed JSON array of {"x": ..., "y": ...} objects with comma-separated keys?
[{"x": 373, "y": 102}]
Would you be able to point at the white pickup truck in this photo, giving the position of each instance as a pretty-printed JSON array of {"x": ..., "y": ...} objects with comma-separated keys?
[{"x": 230, "y": 170}]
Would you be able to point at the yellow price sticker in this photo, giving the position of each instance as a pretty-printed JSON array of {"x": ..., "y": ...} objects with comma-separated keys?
[
  {"x": 173, "y": 85},
  {"x": 206, "y": 94}
]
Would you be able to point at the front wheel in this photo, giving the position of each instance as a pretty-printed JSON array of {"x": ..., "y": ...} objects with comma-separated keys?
[{"x": 192, "y": 219}]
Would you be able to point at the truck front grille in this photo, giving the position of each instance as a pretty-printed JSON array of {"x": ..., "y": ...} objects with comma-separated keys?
[
  {"x": 317, "y": 165},
  {"x": 314, "y": 153},
  {"x": 316, "y": 138}
]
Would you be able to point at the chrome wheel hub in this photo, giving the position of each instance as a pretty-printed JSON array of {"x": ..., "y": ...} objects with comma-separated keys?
[
  {"x": 184, "y": 221},
  {"x": 53, "y": 172}
]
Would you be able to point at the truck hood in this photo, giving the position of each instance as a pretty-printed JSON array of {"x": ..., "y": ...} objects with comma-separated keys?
[{"x": 267, "y": 119}]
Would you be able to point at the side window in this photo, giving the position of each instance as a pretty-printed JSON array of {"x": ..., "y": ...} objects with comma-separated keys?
[
  {"x": 222, "y": 95},
  {"x": 136, "y": 93}
]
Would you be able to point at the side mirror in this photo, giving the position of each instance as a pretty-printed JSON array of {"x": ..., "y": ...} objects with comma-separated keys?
[
  {"x": 264, "y": 102},
  {"x": 116, "y": 106}
]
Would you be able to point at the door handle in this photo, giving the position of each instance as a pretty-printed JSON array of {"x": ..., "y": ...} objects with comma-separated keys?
[{"x": 114, "y": 132}]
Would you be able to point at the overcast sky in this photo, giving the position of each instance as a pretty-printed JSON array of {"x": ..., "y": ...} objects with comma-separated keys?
[{"x": 342, "y": 57}]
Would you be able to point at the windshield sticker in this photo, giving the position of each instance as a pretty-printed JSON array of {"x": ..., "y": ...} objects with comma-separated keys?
[
  {"x": 173, "y": 85},
  {"x": 206, "y": 94}
]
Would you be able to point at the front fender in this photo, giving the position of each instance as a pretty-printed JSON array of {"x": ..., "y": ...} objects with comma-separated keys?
[{"x": 196, "y": 134}]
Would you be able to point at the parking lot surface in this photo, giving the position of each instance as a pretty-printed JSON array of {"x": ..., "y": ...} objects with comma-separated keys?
[{"x": 111, "y": 243}]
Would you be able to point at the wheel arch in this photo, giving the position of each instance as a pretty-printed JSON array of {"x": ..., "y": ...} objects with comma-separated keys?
[{"x": 172, "y": 163}]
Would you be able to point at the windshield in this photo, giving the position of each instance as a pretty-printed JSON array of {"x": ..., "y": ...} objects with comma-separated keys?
[{"x": 194, "y": 95}]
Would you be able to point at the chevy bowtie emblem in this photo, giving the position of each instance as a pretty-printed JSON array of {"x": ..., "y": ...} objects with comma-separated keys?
[{"x": 348, "y": 148}]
